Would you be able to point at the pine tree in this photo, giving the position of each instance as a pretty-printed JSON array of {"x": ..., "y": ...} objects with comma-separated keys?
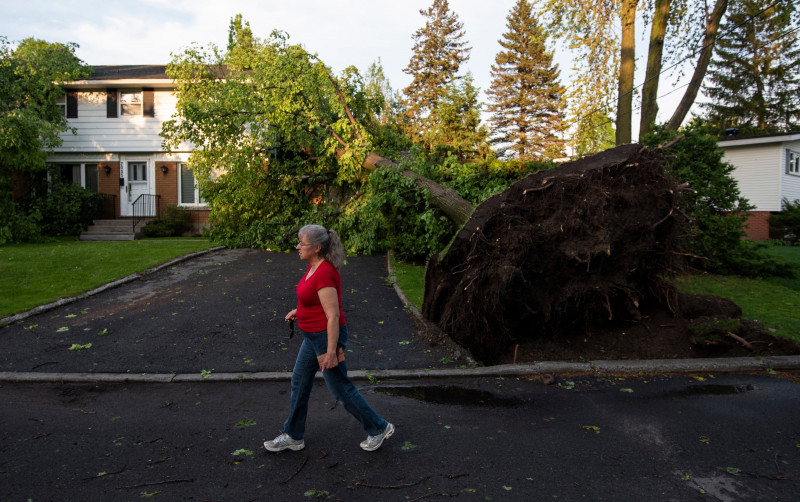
[
  {"x": 753, "y": 81},
  {"x": 439, "y": 50},
  {"x": 526, "y": 99},
  {"x": 459, "y": 130}
]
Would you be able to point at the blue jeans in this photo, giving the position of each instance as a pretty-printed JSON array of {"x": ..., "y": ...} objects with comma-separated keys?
[{"x": 339, "y": 385}]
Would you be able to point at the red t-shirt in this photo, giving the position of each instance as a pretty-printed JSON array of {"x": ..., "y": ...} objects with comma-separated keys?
[{"x": 310, "y": 315}]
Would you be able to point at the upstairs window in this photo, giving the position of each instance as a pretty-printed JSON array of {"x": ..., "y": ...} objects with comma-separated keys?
[
  {"x": 130, "y": 103},
  {"x": 793, "y": 162},
  {"x": 61, "y": 103}
]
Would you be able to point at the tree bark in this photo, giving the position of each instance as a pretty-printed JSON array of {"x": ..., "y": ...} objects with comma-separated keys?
[
  {"x": 626, "y": 68},
  {"x": 655, "y": 52},
  {"x": 445, "y": 199},
  {"x": 709, "y": 39}
]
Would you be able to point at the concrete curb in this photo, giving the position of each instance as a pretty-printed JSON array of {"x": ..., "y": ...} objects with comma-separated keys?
[
  {"x": 718, "y": 365},
  {"x": 64, "y": 301}
]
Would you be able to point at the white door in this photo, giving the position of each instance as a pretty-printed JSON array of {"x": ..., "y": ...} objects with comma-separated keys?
[{"x": 136, "y": 180}]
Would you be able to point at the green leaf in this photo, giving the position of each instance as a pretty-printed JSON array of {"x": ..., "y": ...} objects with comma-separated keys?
[{"x": 76, "y": 346}]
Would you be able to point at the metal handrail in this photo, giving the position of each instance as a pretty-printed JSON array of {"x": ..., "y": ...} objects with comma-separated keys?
[{"x": 145, "y": 206}]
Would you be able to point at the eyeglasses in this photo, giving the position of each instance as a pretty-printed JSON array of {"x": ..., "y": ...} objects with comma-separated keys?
[{"x": 302, "y": 245}]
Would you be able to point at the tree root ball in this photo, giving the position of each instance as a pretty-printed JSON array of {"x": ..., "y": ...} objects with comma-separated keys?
[{"x": 588, "y": 242}]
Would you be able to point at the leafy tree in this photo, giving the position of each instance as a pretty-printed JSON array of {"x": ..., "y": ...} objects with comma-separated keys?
[
  {"x": 31, "y": 122},
  {"x": 602, "y": 35},
  {"x": 239, "y": 34},
  {"x": 527, "y": 101},
  {"x": 280, "y": 140},
  {"x": 439, "y": 50},
  {"x": 384, "y": 122},
  {"x": 754, "y": 82},
  {"x": 788, "y": 220},
  {"x": 714, "y": 203},
  {"x": 601, "y": 136}
]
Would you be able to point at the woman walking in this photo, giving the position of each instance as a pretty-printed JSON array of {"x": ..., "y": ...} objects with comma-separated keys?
[{"x": 321, "y": 320}]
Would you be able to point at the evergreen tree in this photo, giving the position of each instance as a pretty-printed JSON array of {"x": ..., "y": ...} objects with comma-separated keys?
[
  {"x": 527, "y": 101},
  {"x": 458, "y": 129},
  {"x": 754, "y": 83},
  {"x": 439, "y": 50}
]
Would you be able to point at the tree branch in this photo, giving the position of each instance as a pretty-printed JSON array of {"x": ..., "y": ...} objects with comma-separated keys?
[{"x": 712, "y": 26}]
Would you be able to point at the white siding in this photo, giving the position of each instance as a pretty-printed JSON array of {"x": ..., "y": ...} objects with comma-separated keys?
[
  {"x": 790, "y": 188},
  {"x": 759, "y": 171},
  {"x": 97, "y": 133}
]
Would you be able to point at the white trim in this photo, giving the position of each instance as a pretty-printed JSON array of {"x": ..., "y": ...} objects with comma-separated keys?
[{"x": 759, "y": 140}]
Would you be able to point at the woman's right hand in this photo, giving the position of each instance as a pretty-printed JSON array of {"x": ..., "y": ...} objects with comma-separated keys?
[{"x": 291, "y": 316}]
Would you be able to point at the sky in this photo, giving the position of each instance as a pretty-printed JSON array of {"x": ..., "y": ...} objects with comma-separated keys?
[{"x": 341, "y": 32}]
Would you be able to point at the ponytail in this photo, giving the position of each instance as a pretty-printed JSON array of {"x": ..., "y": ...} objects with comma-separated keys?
[{"x": 331, "y": 247}]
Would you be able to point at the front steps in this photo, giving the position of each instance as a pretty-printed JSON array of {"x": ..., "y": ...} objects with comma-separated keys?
[{"x": 112, "y": 230}]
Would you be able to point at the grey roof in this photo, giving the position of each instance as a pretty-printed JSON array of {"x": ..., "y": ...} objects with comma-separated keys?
[{"x": 118, "y": 72}]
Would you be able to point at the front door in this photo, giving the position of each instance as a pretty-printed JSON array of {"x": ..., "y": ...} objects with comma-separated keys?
[{"x": 136, "y": 180}]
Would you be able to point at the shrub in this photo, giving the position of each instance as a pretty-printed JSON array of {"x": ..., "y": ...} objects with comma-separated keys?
[
  {"x": 67, "y": 209},
  {"x": 16, "y": 225},
  {"x": 716, "y": 205},
  {"x": 788, "y": 221},
  {"x": 173, "y": 222}
]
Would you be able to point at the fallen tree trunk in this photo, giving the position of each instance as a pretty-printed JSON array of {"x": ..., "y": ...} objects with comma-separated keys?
[
  {"x": 586, "y": 242},
  {"x": 443, "y": 198}
]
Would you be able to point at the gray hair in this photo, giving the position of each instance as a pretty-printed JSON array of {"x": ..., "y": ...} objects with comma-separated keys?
[{"x": 330, "y": 245}]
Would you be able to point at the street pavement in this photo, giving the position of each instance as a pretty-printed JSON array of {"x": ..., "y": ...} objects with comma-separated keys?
[{"x": 187, "y": 375}]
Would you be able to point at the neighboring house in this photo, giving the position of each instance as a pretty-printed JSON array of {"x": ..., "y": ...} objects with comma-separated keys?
[
  {"x": 768, "y": 171},
  {"x": 117, "y": 114}
]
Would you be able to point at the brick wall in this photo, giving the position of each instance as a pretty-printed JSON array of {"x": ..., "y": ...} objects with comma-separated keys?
[
  {"x": 757, "y": 226},
  {"x": 109, "y": 185},
  {"x": 167, "y": 190}
]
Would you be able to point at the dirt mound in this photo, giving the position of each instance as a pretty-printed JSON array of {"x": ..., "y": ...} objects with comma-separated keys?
[{"x": 578, "y": 246}]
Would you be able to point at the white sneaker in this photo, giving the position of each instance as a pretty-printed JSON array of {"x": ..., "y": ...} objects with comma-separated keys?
[
  {"x": 285, "y": 442},
  {"x": 372, "y": 443}
]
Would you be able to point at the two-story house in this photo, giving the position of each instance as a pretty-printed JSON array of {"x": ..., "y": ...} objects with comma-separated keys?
[
  {"x": 767, "y": 169},
  {"x": 117, "y": 114}
]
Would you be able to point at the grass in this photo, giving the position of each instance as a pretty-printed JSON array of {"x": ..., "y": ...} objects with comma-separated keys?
[
  {"x": 411, "y": 279},
  {"x": 774, "y": 301},
  {"x": 36, "y": 274}
]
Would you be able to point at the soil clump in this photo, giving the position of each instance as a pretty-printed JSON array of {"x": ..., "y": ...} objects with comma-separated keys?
[{"x": 575, "y": 263}]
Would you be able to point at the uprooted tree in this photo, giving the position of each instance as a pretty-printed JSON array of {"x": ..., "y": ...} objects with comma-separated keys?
[{"x": 587, "y": 242}]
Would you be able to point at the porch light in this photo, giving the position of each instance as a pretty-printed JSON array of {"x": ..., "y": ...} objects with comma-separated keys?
[
  {"x": 164, "y": 168},
  {"x": 107, "y": 169}
]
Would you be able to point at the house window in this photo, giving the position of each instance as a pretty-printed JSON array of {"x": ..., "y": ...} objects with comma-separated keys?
[
  {"x": 792, "y": 162},
  {"x": 61, "y": 103},
  {"x": 84, "y": 175},
  {"x": 130, "y": 103},
  {"x": 189, "y": 193}
]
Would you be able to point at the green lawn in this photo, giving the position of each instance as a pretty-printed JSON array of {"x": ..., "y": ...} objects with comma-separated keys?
[
  {"x": 411, "y": 279},
  {"x": 774, "y": 301},
  {"x": 36, "y": 274}
]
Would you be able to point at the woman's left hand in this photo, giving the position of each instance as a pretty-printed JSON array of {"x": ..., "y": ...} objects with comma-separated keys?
[{"x": 330, "y": 361}]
